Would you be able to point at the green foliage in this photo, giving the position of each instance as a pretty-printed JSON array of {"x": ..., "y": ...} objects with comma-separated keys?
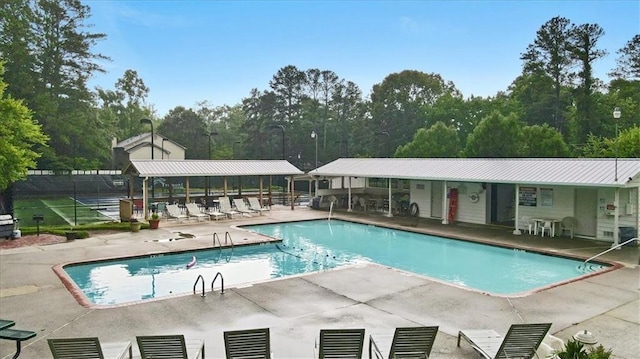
[
  {"x": 627, "y": 146},
  {"x": 576, "y": 350},
  {"x": 496, "y": 136},
  {"x": 437, "y": 141},
  {"x": 19, "y": 133},
  {"x": 543, "y": 142}
]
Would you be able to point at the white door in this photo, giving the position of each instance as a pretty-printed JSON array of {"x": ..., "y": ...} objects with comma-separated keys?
[
  {"x": 586, "y": 211},
  {"x": 436, "y": 199}
]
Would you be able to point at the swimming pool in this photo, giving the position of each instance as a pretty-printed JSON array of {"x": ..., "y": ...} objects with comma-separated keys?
[{"x": 311, "y": 246}]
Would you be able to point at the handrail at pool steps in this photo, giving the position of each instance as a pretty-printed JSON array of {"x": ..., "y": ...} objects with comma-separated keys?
[
  {"x": 221, "y": 282},
  {"x": 200, "y": 278},
  {"x": 227, "y": 235},
  {"x": 584, "y": 265},
  {"x": 215, "y": 236}
]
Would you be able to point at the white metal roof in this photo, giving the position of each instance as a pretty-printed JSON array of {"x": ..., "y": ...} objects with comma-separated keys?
[
  {"x": 558, "y": 171},
  {"x": 192, "y": 168}
]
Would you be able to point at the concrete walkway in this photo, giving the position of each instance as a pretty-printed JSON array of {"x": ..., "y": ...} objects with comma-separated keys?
[{"x": 368, "y": 296}]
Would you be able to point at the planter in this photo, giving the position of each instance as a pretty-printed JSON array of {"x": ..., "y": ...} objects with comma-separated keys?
[
  {"x": 154, "y": 223},
  {"x": 135, "y": 226},
  {"x": 71, "y": 236}
]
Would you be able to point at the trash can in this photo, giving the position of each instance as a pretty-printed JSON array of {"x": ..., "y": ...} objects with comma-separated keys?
[
  {"x": 315, "y": 204},
  {"x": 626, "y": 233}
]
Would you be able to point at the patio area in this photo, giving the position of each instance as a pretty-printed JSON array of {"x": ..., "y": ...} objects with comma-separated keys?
[{"x": 368, "y": 296}]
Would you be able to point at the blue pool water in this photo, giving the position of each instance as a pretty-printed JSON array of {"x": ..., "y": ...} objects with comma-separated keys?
[{"x": 311, "y": 246}]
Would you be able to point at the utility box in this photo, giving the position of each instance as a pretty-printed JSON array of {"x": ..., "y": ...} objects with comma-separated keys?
[
  {"x": 126, "y": 210},
  {"x": 626, "y": 233}
]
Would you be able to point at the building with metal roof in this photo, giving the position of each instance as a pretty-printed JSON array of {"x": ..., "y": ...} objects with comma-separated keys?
[
  {"x": 601, "y": 194},
  {"x": 147, "y": 169}
]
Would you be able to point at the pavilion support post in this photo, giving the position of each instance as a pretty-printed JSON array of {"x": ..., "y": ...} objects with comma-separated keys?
[
  {"x": 310, "y": 198},
  {"x": 349, "y": 207},
  {"x": 270, "y": 193},
  {"x": 389, "y": 213},
  {"x": 145, "y": 197},
  {"x": 445, "y": 204},
  {"x": 291, "y": 191},
  {"x": 616, "y": 217},
  {"x": 260, "y": 189},
  {"x": 187, "y": 195},
  {"x": 516, "y": 231},
  {"x": 240, "y": 186},
  {"x": 224, "y": 180}
]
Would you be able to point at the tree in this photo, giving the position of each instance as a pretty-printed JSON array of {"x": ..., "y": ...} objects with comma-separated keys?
[
  {"x": 19, "y": 134},
  {"x": 543, "y": 142},
  {"x": 627, "y": 145},
  {"x": 550, "y": 55},
  {"x": 187, "y": 128},
  {"x": 628, "y": 61},
  {"x": 495, "y": 136},
  {"x": 398, "y": 102},
  {"x": 583, "y": 46},
  {"x": 437, "y": 141}
]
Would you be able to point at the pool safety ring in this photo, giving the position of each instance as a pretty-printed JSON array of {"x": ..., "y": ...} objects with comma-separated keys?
[
  {"x": 474, "y": 197},
  {"x": 413, "y": 209}
]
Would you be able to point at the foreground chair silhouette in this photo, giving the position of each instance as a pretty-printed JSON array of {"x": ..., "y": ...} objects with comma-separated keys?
[
  {"x": 411, "y": 342},
  {"x": 340, "y": 343},
  {"x": 72, "y": 348},
  {"x": 170, "y": 346},
  {"x": 253, "y": 343},
  {"x": 521, "y": 341}
]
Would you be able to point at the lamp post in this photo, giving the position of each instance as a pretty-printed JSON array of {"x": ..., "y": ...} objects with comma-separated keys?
[
  {"x": 164, "y": 139},
  {"x": 282, "y": 129},
  {"x": 616, "y": 117},
  {"x": 146, "y": 120},
  {"x": 314, "y": 135},
  {"x": 385, "y": 133}
]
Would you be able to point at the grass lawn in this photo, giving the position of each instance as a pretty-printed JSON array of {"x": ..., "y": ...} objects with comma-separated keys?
[{"x": 56, "y": 211}]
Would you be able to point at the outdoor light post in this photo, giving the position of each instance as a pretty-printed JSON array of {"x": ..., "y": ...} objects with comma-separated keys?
[
  {"x": 616, "y": 117},
  {"x": 314, "y": 135},
  {"x": 146, "y": 120},
  {"x": 385, "y": 133},
  {"x": 282, "y": 129},
  {"x": 164, "y": 139}
]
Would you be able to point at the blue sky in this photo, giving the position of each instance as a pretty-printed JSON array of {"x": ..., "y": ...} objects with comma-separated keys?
[{"x": 217, "y": 51}]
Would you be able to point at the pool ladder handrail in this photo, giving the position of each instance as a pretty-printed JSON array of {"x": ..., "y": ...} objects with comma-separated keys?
[
  {"x": 617, "y": 246},
  {"x": 227, "y": 235},
  {"x": 215, "y": 236},
  {"x": 221, "y": 282},
  {"x": 200, "y": 278},
  {"x": 330, "y": 210}
]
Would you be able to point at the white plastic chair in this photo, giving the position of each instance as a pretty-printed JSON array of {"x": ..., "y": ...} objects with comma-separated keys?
[
  {"x": 546, "y": 227},
  {"x": 569, "y": 224},
  {"x": 530, "y": 224}
]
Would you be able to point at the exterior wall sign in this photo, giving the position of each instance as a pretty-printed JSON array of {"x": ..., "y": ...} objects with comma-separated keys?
[
  {"x": 546, "y": 197},
  {"x": 528, "y": 196}
]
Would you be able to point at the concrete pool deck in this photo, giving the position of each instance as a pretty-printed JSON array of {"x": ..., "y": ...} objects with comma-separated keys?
[{"x": 373, "y": 297}]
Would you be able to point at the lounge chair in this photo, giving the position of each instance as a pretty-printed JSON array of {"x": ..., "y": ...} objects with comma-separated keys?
[
  {"x": 412, "y": 342},
  {"x": 521, "y": 341},
  {"x": 215, "y": 213},
  {"x": 170, "y": 346},
  {"x": 72, "y": 348},
  {"x": 194, "y": 212},
  {"x": 173, "y": 212},
  {"x": 254, "y": 204},
  {"x": 225, "y": 207},
  {"x": 242, "y": 207},
  {"x": 340, "y": 343},
  {"x": 569, "y": 224},
  {"x": 253, "y": 343}
]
